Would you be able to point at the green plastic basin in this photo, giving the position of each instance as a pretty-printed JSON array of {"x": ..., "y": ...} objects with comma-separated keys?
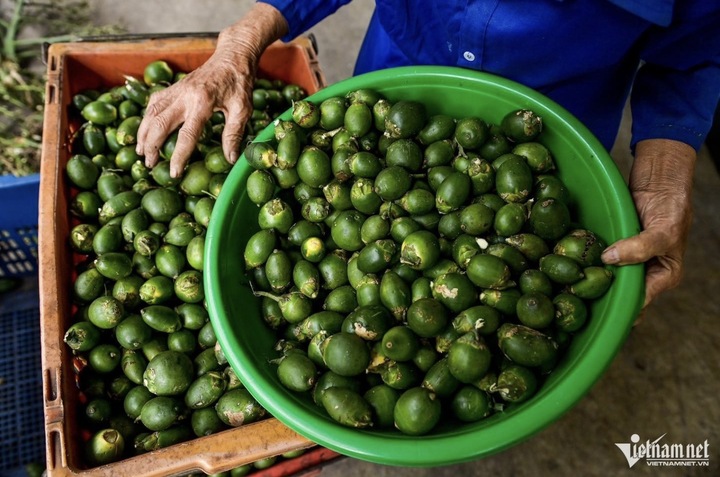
[{"x": 603, "y": 204}]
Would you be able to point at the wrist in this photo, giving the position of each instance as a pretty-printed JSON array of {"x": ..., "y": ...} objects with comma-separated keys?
[
  {"x": 663, "y": 163},
  {"x": 253, "y": 33}
]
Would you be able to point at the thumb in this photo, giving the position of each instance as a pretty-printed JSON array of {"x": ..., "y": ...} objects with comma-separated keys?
[{"x": 637, "y": 249}]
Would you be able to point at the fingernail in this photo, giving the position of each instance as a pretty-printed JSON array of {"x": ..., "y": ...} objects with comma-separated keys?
[
  {"x": 174, "y": 172},
  {"x": 233, "y": 157},
  {"x": 610, "y": 256}
]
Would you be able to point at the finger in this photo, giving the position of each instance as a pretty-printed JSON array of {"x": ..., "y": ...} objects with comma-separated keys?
[
  {"x": 660, "y": 276},
  {"x": 638, "y": 249},
  {"x": 233, "y": 131},
  {"x": 151, "y": 111},
  {"x": 152, "y": 155},
  {"x": 187, "y": 139},
  {"x": 158, "y": 129}
]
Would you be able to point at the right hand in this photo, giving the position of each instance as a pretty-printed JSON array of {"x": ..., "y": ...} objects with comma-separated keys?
[
  {"x": 219, "y": 84},
  {"x": 223, "y": 83}
]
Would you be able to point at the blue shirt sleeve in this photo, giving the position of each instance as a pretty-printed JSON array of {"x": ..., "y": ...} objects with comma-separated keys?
[
  {"x": 677, "y": 87},
  {"x": 301, "y": 15}
]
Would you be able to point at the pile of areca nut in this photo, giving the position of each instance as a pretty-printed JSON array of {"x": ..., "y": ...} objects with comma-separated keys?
[{"x": 415, "y": 267}]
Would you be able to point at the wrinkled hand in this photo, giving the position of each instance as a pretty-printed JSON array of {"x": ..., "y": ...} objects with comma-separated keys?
[
  {"x": 661, "y": 185},
  {"x": 217, "y": 85},
  {"x": 223, "y": 83}
]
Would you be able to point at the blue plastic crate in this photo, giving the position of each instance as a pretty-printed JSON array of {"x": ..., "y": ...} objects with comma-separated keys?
[
  {"x": 22, "y": 427},
  {"x": 19, "y": 225}
]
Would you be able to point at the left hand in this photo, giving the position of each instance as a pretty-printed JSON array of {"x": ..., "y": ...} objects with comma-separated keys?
[{"x": 661, "y": 185}]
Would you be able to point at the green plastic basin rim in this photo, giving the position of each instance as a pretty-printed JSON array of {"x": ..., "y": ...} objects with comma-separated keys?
[{"x": 597, "y": 346}]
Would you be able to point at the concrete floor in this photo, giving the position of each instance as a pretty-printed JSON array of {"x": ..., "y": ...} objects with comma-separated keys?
[{"x": 665, "y": 380}]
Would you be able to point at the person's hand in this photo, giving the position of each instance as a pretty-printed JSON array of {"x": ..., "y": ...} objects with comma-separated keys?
[
  {"x": 223, "y": 83},
  {"x": 220, "y": 84},
  {"x": 661, "y": 184}
]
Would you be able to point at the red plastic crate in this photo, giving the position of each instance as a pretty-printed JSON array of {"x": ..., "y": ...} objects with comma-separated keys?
[{"x": 73, "y": 67}]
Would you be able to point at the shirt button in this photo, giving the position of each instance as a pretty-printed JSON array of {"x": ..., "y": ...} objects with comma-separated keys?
[{"x": 469, "y": 56}]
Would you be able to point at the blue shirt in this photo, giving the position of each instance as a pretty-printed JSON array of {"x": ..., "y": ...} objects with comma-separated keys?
[{"x": 587, "y": 55}]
